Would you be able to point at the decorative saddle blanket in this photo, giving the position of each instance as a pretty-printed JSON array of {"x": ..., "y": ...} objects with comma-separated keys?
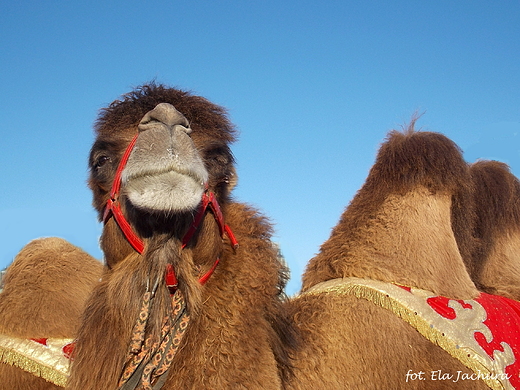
[
  {"x": 484, "y": 334},
  {"x": 45, "y": 358}
]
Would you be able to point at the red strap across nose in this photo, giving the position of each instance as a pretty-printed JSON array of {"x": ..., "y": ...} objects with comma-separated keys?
[{"x": 113, "y": 208}]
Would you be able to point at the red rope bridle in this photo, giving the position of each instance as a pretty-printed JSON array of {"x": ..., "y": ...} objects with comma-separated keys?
[{"x": 113, "y": 208}]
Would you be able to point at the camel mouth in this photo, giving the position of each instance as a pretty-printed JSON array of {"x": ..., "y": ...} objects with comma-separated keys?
[
  {"x": 165, "y": 172},
  {"x": 165, "y": 192}
]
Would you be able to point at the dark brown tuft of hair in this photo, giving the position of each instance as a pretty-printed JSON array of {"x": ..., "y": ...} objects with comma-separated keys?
[{"x": 131, "y": 107}]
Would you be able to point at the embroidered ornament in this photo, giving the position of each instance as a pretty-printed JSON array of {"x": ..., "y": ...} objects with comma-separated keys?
[
  {"x": 45, "y": 358},
  {"x": 484, "y": 334},
  {"x": 149, "y": 360}
]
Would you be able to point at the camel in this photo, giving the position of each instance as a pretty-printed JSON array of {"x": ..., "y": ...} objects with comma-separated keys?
[
  {"x": 194, "y": 298},
  {"x": 193, "y": 295},
  {"x": 400, "y": 230},
  {"x": 497, "y": 227},
  {"x": 43, "y": 270}
]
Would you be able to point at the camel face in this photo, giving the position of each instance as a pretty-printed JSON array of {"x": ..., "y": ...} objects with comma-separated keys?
[
  {"x": 181, "y": 153},
  {"x": 164, "y": 172}
]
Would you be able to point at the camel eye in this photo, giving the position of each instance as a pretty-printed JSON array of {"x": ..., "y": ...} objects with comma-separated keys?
[{"x": 102, "y": 160}]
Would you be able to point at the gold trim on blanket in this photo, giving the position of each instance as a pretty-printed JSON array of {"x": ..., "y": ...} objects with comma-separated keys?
[
  {"x": 45, "y": 361},
  {"x": 454, "y": 336}
]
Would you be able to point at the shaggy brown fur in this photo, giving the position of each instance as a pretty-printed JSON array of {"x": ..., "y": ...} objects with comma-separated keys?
[
  {"x": 237, "y": 337},
  {"x": 497, "y": 226},
  {"x": 398, "y": 229},
  {"x": 45, "y": 291}
]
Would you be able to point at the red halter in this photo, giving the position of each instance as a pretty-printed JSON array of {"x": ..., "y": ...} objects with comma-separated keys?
[{"x": 113, "y": 208}]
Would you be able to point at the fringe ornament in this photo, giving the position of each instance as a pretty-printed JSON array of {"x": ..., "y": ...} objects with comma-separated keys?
[
  {"x": 44, "y": 361},
  {"x": 410, "y": 305}
]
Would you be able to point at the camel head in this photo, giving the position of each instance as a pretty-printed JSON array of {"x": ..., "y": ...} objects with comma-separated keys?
[{"x": 158, "y": 152}]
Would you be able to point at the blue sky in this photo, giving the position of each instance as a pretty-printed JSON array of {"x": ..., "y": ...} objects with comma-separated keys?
[{"x": 312, "y": 86}]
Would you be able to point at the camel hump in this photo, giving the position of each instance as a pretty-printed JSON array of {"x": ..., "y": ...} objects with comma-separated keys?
[
  {"x": 164, "y": 114},
  {"x": 498, "y": 194},
  {"x": 45, "y": 261},
  {"x": 412, "y": 158}
]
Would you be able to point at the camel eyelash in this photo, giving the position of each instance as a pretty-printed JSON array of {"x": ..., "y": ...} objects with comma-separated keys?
[{"x": 101, "y": 161}]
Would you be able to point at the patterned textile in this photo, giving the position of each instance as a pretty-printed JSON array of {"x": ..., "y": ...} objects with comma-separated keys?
[
  {"x": 484, "y": 334},
  {"x": 45, "y": 358},
  {"x": 148, "y": 359}
]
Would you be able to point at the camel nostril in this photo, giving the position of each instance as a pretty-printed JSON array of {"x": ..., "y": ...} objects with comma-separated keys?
[{"x": 164, "y": 114}]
